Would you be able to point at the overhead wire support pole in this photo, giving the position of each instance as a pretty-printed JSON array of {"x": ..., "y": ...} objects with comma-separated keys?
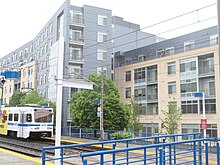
[{"x": 102, "y": 103}]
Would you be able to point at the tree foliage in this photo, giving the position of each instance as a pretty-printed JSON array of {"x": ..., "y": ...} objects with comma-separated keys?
[
  {"x": 16, "y": 99},
  {"x": 172, "y": 118},
  {"x": 134, "y": 122},
  {"x": 84, "y": 109},
  {"x": 32, "y": 97}
]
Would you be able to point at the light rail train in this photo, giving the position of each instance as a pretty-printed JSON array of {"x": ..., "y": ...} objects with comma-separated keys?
[{"x": 26, "y": 121}]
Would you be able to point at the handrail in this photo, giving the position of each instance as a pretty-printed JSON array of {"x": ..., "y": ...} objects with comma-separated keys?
[
  {"x": 143, "y": 147},
  {"x": 118, "y": 141}
]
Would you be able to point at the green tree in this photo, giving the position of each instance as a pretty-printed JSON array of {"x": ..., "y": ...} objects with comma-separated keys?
[
  {"x": 172, "y": 118},
  {"x": 134, "y": 123},
  {"x": 32, "y": 97},
  {"x": 16, "y": 99},
  {"x": 84, "y": 110}
]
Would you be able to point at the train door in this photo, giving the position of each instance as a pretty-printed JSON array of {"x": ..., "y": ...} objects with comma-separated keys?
[{"x": 22, "y": 124}]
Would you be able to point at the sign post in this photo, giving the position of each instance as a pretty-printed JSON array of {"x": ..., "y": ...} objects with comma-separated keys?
[{"x": 203, "y": 124}]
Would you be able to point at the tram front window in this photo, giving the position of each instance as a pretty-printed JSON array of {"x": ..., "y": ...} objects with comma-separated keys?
[{"x": 43, "y": 117}]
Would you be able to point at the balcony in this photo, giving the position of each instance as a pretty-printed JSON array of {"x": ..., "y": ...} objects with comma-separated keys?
[
  {"x": 152, "y": 98},
  {"x": 77, "y": 21},
  {"x": 206, "y": 71},
  {"x": 76, "y": 58},
  {"x": 152, "y": 80},
  {"x": 77, "y": 40}
]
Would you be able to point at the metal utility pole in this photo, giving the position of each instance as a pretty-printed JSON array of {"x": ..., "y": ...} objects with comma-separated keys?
[{"x": 102, "y": 102}]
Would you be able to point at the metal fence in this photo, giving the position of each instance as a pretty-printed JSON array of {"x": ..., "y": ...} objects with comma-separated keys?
[
  {"x": 190, "y": 152},
  {"x": 152, "y": 147}
]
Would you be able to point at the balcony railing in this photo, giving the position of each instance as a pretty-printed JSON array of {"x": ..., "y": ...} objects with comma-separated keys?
[
  {"x": 152, "y": 97},
  {"x": 77, "y": 20},
  {"x": 206, "y": 71},
  {"x": 79, "y": 38},
  {"x": 76, "y": 57}
]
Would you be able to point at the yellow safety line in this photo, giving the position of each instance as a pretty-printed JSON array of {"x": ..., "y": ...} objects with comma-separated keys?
[{"x": 37, "y": 160}]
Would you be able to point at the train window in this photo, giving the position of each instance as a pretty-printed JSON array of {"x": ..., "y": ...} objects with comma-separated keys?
[
  {"x": 29, "y": 118},
  {"x": 15, "y": 117},
  {"x": 10, "y": 117},
  {"x": 43, "y": 117}
]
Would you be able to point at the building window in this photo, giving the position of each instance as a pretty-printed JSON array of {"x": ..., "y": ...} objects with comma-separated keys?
[
  {"x": 212, "y": 130},
  {"x": 189, "y": 45},
  {"x": 31, "y": 48},
  {"x": 51, "y": 28},
  {"x": 102, "y": 20},
  {"x": 140, "y": 93},
  {"x": 172, "y": 87},
  {"x": 189, "y": 107},
  {"x": 152, "y": 74},
  {"x": 46, "y": 47},
  {"x": 169, "y": 51},
  {"x": 160, "y": 52},
  {"x": 42, "y": 37},
  {"x": 206, "y": 64},
  {"x": 76, "y": 35},
  {"x": 75, "y": 54},
  {"x": 141, "y": 57},
  {"x": 45, "y": 78},
  {"x": 139, "y": 75},
  {"x": 101, "y": 54},
  {"x": 51, "y": 42},
  {"x": 149, "y": 129},
  {"x": 41, "y": 80},
  {"x": 128, "y": 92},
  {"x": 188, "y": 65},
  {"x": 128, "y": 60},
  {"x": 99, "y": 70},
  {"x": 207, "y": 85},
  {"x": 171, "y": 67},
  {"x": 102, "y": 37},
  {"x": 38, "y": 41},
  {"x": 46, "y": 33},
  {"x": 188, "y": 85},
  {"x": 214, "y": 39},
  {"x": 189, "y": 128},
  {"x": 152, "y": 109},
  {"x": 76, "y": 17},
  {"x": 128, "y": 76}
]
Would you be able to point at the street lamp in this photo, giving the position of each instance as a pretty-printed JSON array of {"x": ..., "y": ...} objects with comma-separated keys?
[{"x": 204, "y": 120}]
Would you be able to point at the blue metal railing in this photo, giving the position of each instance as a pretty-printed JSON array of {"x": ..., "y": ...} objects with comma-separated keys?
[
  {"x": 161, "y": 157},
  {"x": 126, "y": 144}
]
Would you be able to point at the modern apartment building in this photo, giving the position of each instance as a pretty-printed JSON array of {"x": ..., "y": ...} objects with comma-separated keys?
[
  {"x": 91, "y": 36},
  {"x": 174, "y": 69}
]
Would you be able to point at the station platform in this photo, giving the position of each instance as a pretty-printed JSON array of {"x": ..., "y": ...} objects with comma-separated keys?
[{"x": 12, "y": 158}]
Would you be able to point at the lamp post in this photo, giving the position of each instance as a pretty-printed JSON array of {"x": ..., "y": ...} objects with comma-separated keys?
[{"x": 204, "y": 120}]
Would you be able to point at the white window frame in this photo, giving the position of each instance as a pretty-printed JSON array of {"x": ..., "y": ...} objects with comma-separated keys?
[
  {"x": 51, "y": 28},
  {"x": 214, "y": 39},
  {"x": 102, "y": 20},
  {"x": 99, "y": 69},
  {"x": 31, "y": 48},
  {"x": 169, "y": 50},
  {"x": 101, "y": 54},
  {"x": 101, "y": 37},
  {"x": 189, "y": 45}
]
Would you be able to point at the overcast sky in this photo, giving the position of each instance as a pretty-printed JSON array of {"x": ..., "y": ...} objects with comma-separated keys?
[{"x": 21, "y": 20}]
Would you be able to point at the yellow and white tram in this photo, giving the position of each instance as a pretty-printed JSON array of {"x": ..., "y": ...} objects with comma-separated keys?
[{"x": 26, "y": 121}]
